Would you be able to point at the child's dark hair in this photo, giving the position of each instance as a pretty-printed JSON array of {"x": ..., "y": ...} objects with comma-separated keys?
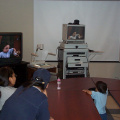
[
  {"x": 4, "y": 44},
  {"x": 101, "y": 86},
  {"x": 5, "y": 73}
]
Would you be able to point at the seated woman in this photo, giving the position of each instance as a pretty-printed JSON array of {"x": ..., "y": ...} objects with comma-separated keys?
[
  {"x": 29, "y": 102},
  {"x": 7, "y": 81}
]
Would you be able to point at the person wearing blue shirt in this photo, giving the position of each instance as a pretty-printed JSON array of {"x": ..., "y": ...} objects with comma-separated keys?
[
  {"x": 29, "y": 102},
  {"x": 7, "y": 52},
  {"x": 100, "y": 98}
]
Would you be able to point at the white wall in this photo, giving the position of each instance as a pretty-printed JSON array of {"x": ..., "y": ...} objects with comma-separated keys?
[
  {"x": 17, "y": 15},
  {"x": 104, "y": 70},
  {"x": 101, "y": 18}
]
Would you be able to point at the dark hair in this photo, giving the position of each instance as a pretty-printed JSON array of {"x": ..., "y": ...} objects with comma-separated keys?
[
  {"x": 35, "y": 82},
  {"x": 5, "y": 73},
  {"x": 101, "y": 86},
  {"x": 4, "y": 44}
]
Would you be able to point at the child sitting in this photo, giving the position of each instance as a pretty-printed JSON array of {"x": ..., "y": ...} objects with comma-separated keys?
[
  {"x": 7, "y": 52},
  {"x": 100, "y": 98}
]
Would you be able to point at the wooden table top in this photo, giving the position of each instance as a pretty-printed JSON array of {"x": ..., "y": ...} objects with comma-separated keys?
[
  {"x": 71, "y": 103},
  {"x": 72, "y": 84}
]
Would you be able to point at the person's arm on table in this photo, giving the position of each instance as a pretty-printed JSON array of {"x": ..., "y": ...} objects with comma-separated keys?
[{"x": 87, "y": 91}]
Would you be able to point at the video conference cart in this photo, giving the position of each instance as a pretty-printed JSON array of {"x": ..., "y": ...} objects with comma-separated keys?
[{"x": 73, "y": 54}]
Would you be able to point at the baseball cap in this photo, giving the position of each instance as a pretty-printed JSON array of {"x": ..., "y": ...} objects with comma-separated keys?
[{"x": 43, "y": 74}]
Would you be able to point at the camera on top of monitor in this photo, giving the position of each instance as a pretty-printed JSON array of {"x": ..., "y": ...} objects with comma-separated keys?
[{"x": 76, "y": 22}]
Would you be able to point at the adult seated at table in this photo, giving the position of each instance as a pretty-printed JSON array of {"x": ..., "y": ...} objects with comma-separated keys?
[
  {"x": 7, "y": 81},
  {"x": 29, "y": 102}
]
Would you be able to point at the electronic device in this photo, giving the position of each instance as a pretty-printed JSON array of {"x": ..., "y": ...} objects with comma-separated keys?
[
  {"x": 13, "y": 40},
  {"x": 72, "y": 33},
  {"x": 63, "y": 45}
]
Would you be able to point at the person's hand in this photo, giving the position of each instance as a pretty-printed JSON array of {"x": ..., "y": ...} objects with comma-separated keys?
[
  {"x": 14, "y": 49},
  {"x": 51, "y": 118},
  {"x": 78, "y": 35},
  {"x": 18, "y": 52},
  {"x": 88, "y": 92},
  {"x": 84, "y": 90}
]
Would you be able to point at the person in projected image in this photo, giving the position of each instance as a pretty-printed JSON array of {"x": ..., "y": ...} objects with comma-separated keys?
[
  {"x": 8, "y": 52},
  {"x": 74, "y": 36}
]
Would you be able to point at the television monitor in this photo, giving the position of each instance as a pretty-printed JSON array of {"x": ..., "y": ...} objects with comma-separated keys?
[
  {"x": 73, "y": 33},
  {"x": 10, "y": 48}
]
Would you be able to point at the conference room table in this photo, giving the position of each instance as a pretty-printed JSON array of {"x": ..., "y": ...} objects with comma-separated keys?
[{"x": 70, "y": 102}]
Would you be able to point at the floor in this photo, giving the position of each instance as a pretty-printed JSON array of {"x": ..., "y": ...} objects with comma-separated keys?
[{"x": 113, "y": 109}]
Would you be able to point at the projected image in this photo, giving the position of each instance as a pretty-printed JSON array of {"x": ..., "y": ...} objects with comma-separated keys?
[
  {"x": 9, "y": 46},
  {"x": 75, "y": 32}
]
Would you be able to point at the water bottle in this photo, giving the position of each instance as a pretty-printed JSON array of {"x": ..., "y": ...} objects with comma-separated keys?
[{"x": 58, "y": 84}]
